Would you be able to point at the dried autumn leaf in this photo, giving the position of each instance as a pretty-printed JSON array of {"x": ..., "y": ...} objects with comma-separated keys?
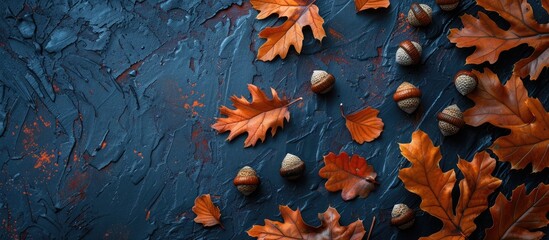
[
  {"x": 426, "y": 179},
  {"x": 521, "y": 216},
  {"x": 300, "y": 13},
  {"x": 364, "y": 125},
  {"x": 371, "y": 4},
  {"x": 294, "y": 227},
  {"x": 490, "y": 40},
  {"x": 254, "y": 117},
  {"x": 206, "y": 212},
  {"x": 352, "y": 175},
  {"x": 527, "y": 143},
  {"x": 498, "y": 104}
]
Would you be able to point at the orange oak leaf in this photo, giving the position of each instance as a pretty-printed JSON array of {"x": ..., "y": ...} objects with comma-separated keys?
[
  {"x": 294, "y": 227},
  {"x": 206, "y": 212},
  {"x": 426, "y": 179},
  {"x": 521, "y": 216},
  {"x": 527, "y": 143},
  {"x": 498, "y": 104},
  {"x": 299, "y": 13},
  {"x": 364, "y": 125},
  {"x": 490, "y": 40},
  {"x": 352, "y": 175},
  {"x": 254, "y": 117},
  {"x": 371, "y": 4}
]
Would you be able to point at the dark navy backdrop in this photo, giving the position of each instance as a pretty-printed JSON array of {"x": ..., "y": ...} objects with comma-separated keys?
[{"x": 106, "y": 110}]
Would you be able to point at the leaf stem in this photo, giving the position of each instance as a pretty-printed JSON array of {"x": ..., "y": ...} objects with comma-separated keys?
[
  {"x": 371, "y": 228},
  {"x": 341, "y": 110},
  {"x": 294, "y": 101}
]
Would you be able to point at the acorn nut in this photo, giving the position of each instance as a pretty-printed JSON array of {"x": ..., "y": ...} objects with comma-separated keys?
[
  {"x": 322, "y": 82},
  {"x": 408, "y": 53},
  {"x": 447, "y": 5},
  {"x": 292, "y": 167},
  {"x": 465, "y": 82},
  {"x": 450, "y": 120},
  {"x": 402, "y": 216},
  {"x": 246, "y": 180},
  {"x": 407, "y": 96},
  {"x": 419, "y": 15}
]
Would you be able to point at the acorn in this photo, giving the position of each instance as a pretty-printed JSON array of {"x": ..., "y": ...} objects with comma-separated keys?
[
  {"x": 465, "y": 82},
  {"x": 447, "y": 5},
  {"x": 450, "y": 120},
  {"x": 419, "y": 15},
  {"x": 408, "y": 53},
  {"x": 402, "y": 216},
  {"x": 292, "y": 167},
  {"x": 407, "y": 96},
  {"x": 246, "y": 180},
  {"x": 322, "y": 82}
]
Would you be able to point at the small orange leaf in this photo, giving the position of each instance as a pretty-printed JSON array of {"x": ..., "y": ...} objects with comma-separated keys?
[
  {"x": 371, "y": 4},
  {"x": 300, "y": 13},
  {"x": 521, "y": 216},
  {"x": 527, "y": 143},
  {"x": 254, "y": 117},
  {"x": 490, "y": 40},
  {"x": 352, "y": 175},
  {"x": 364, "y": 125},
  {"x": 498, "y": 104},
  {"x": 294, "y": 227},
  {"x": 426, "y": 179},
  {"x": 206, "y": 212}
]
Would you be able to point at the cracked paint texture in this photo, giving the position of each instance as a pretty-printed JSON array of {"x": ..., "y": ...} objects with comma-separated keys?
[{"x": 106, "y": 108}]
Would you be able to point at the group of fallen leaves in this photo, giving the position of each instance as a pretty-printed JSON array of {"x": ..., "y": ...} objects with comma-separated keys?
[
  {"x": 261, "y": 114},
  {"x": 505, "y": 106},
  {"x": 518, "y": 218}
]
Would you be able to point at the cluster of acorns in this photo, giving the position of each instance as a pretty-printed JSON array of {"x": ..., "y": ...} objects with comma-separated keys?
[
  {"x": 407, "y": 96},
  {"x": 247, "y": 181}
]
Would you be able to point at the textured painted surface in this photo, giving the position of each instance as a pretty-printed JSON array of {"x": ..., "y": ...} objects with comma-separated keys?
[{"x": 106, "y": 109}]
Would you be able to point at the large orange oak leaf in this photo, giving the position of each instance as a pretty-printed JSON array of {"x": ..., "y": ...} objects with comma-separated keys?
[
  {"x": 299, "y": 13},
  {"x": 371, "y": 4},
  {"x": 527, "y": 143},
  {"x": 500, "y": 105},
  {"x": 255, "y": 117},
  {"x": 519, "y": 217},
  {"x": 364, "y": 125},
  {"x": 426, "y": 179},
  {"x": 352, "y": 175},
  {"x": 206, "y": 212},
  {"x": 293, "y": 227},
  {"x": 490, "y": 40}
]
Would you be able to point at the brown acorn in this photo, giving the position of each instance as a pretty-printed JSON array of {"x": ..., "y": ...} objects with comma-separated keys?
[
  {"x": 408, "y": 53},
  {"x": 402, "y": 216},
  {"x": 292, "y": 167},
  {"x": 419, "y": 15},
  {"x": 450, "y": 120},
  {"x": 246, "y": 181},
  {"x": 322, "y": 82},
  {"x": 447, "y": 5},
  {"x": 407, "y": 96},
  {"x": 465, "y": 82}
]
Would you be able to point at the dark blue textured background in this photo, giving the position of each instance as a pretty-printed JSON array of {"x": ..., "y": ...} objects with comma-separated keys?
[{"x": 106, "y": 110}]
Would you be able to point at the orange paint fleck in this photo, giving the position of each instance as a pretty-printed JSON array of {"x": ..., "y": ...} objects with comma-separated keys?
[
  {"x": 148, "y": 214},
  {"x": 103, "y": 145},
  {"x": 335, "y": 34},
  {"x": 46, "y": 123},
  {"x": 43, "y": 158}
]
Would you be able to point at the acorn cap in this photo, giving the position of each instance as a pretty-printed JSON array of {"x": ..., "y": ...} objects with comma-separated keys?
[
  {"x": 321, "y": 81},
  {"x": 419, "y": 15},
  {"x": 450, "y": 120},
  {"x": 465, "y": 82},
  {"x": 292, "y": 167},
  {"x": 402, "y": 216},
  {"x": 408, "y": 53},
  {"x": 447, "y": 5},
  {"x": 246, "y": 180},
  {"x": 407, "y": 96}
]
